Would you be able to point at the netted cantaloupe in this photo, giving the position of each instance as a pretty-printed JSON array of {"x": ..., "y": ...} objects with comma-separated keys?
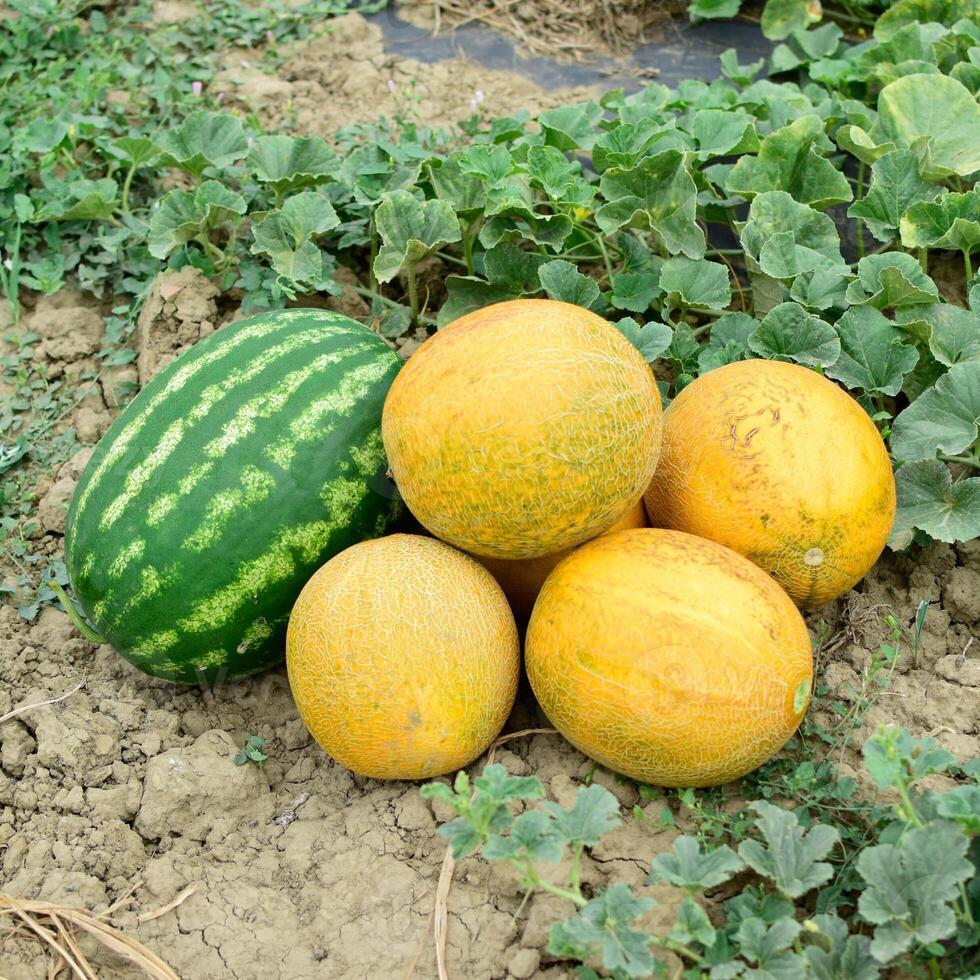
[
  {"x": 403, "y": 658},
  {"x": 522, "y": 578},
  {"x": 668, "y": 658},
  {"x": 523, "y": 429},
  {"x": 775, "y": 461}
]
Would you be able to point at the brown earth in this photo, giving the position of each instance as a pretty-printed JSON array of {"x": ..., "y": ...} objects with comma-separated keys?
[{"x": 301, "y": 869}]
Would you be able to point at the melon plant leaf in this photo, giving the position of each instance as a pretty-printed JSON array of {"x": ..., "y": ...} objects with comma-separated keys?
[
  {"x": 910, "y": 886},
  {"x": 561, "y": 280},
  {"x": 658, "y": 193},
  {"x": 287, "y": 163},
  {"x": 468, "y": 293},
  {"x": 492, "y": 163},
  {"x": 740, "y": 74},
  {"x": 695, "y": 282},
  {"x": 411, "y": 229},
  {"x": 552, "y": 171},
  {"x": 950, "y": 221},
  {"x": 905, "y": 12},
  {"x": 466, "y": 192},
  {"x": 789, "y": 856},
  {"x": 873, "y": 357},
  {"x": 891, "y": 279},
  {"x": 720, "y": 132},
  {"x": 651, "y": 340},
  {"x": 182, "y": 216},
  {"x": 603, "y": 928},
  {"x": 953, "y": 333},
  {"x": 532, "y": 835},
  {"x": 895, "y": 187},
  {"x": 849, "y": 956},
  {"x": 285, "y": 236},
  {"x": 634, "y": 291},
  {"x": 79, "y": 200},
  {"x": 803, "y": 47},
  {"x": 961, "y": 804},
  {"x": 495, "y": 783},
  {"x": 861, "y": 144},
  {"x": 594, "y": 812},
  {"x": 203, "y": 139},
  {"x": 766, "y": 943},
  {"x": 782, "y": 17},
  {"x": 789, "y": 332},
  {"x": 687, "y": 866},
  {"x": 623, "y": 145},
  {"x": 509, "y": 265},
  {"x": 943, "y": 419},
  {"x": 571, "y": 127},
  {"x": 693, "y": 924},
  {"x": 728, "y": 342},
  {"x": 804, "y": 239},
  {"x": 821, "y": 288},
  {"x": 137, "y": 150},
  {"x": 935, "y": 108},
  {"x": 789, "y": 160},
  {"x": 713, "y": 9},
  {"x": 550, "y": 230},
  {"x": 929, "y": 499}
]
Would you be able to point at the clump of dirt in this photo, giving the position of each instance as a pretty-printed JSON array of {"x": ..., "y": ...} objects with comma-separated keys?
[
  {"x": 575, "y": 30},
  {"x": 343, "y": 77}
]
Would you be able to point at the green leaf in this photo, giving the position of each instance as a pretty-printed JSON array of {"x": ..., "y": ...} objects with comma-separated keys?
[
  {"x": 891, "y": 279},
  {"x": 928, "y": 499},
  {"x": 687, "y": 866},
  {"x": 695, "y": 282},
  {"x": 935, "y": 108},
  {"x": 849, "y": 956},
  {"x": 571, "y": 127},
  {"x": 821, "y": 288},
  {"x": 761, "y": 943},
  {"x": 466, "y": 192},
  {"x": 893, "y": 756},
  {"x": 594, "y": 813},
  {"x": 961, "y": 805},
  {"x": 788, "y": 332},
  {"x": 738, "y": 73},
  {"x": 561, "y": 280},
  {"x": 781, "y": 17},
  {"x": 943, "y": 419},
  {"x": 867, "y": 148},
  {"x": 285, "y": 236},
  {"x": 634, "y": 291},
  {"x": 895, "y": 187},
  {"x": 532, "y": 834},
  {"x": 43, "y": 135},
  {"x": 509, "y": 265},
  {"x": 492, "y": 163},
  {"x": 786, "y": 238},
  {"x": 659, "y": 194},
  {"x": 905, "y": 12},
  {"x": 137, "y": 150},
  {"x": 468, "y": 293},
  {"x": 410, "y": 229},
  {"x": 728, "y": 341},
  {"x": 713, "y": 9},
  {"x": 182, "y": 216},
  {"x": 288, "y": 164},
  {"x": 789, "y": 160},
  {"x": 500, "y": 786},
  {"x": 80, "y": 200},
  {"x": 874, "y": 357},
  {"x": 603, "y": 929},
  {"x": 204, "y": 139},
  {"x": 720, "y": 132},
  {"x": 954, "y": 333},
  {"x": 693, "y": 924},
  {"x": 805, "y": 46},
  {"x": 951, "y": 221},
  {"x": 651, "y": 340},
  {"x": 552, "y": 171},
  {"x": 910, "y": 886},
  {"x": 789, "y": 856}
]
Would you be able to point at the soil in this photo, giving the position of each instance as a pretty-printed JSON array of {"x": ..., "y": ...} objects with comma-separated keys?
[{"x": 300, "y": 868}]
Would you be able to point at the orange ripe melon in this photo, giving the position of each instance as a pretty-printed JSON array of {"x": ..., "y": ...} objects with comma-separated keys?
[
  {"x": 523, "y": 429},
  {"x": 522, "y": 578},
  {"x": 403, "y": 658},
  {"x": 778, "y": 463},
  {"x": 668, "y": 658}
]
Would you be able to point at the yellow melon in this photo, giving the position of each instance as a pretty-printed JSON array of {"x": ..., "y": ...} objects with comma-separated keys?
[
  {"x": 775, "y": 461},
  {"x": 522, "y": 578},
  {"x": 523, "y": 429},
  {"x": 668, "y": 658},
  {"x": 403, "y": 658}
]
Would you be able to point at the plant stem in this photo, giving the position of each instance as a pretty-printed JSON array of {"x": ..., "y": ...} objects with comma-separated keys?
[
  {"x": 924, "y": 260},
  {"x": 75, "y": 616},
  {"x": 964, "y": 460},
  {"x": 575, "y": 873},
  {"x": 969, "y": 267},
  {"x": 413, "y": 290},
  {"x": 911, "y": 815},
  {"x": 605, "y": 256},
  {"x": 374, "y": 254},
  {"x": 124, "y": 201},
  {"x": 860, "y": 223}
]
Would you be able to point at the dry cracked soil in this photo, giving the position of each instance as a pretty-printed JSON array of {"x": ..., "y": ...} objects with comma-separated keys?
[{"x": 300, "y": 869}]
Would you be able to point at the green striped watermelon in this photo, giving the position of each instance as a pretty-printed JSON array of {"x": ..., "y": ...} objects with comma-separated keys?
[{"x": 229, "y": 479}]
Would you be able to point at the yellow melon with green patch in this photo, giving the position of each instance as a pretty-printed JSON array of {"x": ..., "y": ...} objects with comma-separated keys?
[
  {"x": 668, "y": 658},
  {"x": 523, "y": 429},
  {"x": 403, "y": 658},
  {"x": 522, "y": 578},
  {"x": 775, "y": 461}
]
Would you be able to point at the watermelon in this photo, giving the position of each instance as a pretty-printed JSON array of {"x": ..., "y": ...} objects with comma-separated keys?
[{"x": 226, "y": 482}]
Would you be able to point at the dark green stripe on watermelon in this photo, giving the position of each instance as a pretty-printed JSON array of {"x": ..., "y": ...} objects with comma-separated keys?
[{"x": 231, "y": 477}]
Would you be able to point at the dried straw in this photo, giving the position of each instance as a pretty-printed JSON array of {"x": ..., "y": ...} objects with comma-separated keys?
[
  {"x": 57, "y": 927},
  {"x": 578, "y": 30}
]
